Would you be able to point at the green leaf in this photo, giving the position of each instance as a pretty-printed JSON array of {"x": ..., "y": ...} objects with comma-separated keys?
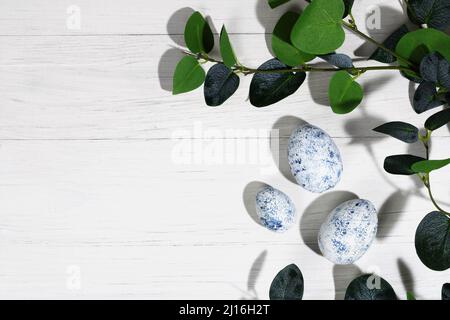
[
  {"x": 348, "y": 7},
  {"x": 417, "y": 44},
  {"x": 446, "y": 291},
  {"x": 344, "y": 92},
  {"x": 410, "y": 296},
  {"x": 436, "y": 69},
  {"x": 288, "y": 284},
  {"x": 390, "y": 43},
  {"x": 275, "y": 3},
  {"x": 226, "y": 50},
  {"x": 198, "y": 35},
  {"x": 400, "y": 130},
  {"x": 438, "y": 120},
  {"x": 426, "y": 97},
  {"x": 319, "y": 29},
  {"x": 432, "y": 241},
  {"x": 269, "y": 88},
  {"x": 426, "y": 166},
  {"x": 434, "y": 13},
  {"x": 401, "y": 164},
  {"x": 220, "y": 84},
  {"x": 370, "y": 287},
  {"x": 281, "y": 42},
  {"x": 188, "y": 75}
]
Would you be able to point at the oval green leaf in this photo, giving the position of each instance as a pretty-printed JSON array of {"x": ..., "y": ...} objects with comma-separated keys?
[
  {"x": 287, "y": 284},
  {"x": 269, "y": 88},
  {"x": 198, "y": 35},
  {"x": 348, "y": 7},
  {"x": 226, "y": 50},
  {"x": 426, "y": 166},
  {"x": 344, "y": 92},
  {"x": 319, "y": 28},
  {"x": 220, "y": 84},
  {"x": 446, "y": 291},
  {"x": 188, "y": 75},
  {"x": 426, "y": 97},
  {"x": 370, "y": 287},
  {"x": 436, "y": 69},
  {"x": 281, "y": 42},
  {"x": 416, "y": 44},
  {"x": 438, "y": 120},
  {"x": 432, "y": 241},
  {"x": 400, "y": 130},
  {"x": 434, "y": 13},
  {"x": 401, "y": 164}
]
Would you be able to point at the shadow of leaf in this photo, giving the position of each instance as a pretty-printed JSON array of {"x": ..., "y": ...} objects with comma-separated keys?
[
  {"x": 166, "y": 68},
  {"x": 255, "y": 271},
  {"x": 343, "y": 275},
  {"x": 390, "y": 212},
  {"x": 406, "y": 275},
  {"x": 176, "y": 24},
  {"x": 316, "y": 213}
]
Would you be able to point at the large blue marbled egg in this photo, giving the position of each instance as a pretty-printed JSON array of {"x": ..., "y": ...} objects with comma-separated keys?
[
  {"x": 275, "y": 209},
  {"x": 348, "y": 231},
  {"x": 314, "y": 159}
]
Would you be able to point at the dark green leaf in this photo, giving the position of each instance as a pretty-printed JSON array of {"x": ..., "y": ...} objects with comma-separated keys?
[
  {"x": 269, "y": 88},
  {"x": 401, "y": 164},
  {"x": 198, "y": 35},
  {"x": 436, "y": 69},
  {"x": 276, "y": 3},
  {"x": 344, "y": 92},
  {"x": 226, "y": 50},
  {"x": 339, "y": 60},
  {"x": 433, "y": 241},
  {"x": 426, "y": 97},
  {"x": 426, "y": 166},
  {"x": 401, "y": 130},
  {"x": 417, "y": 44},
  {"x": 438, "y": 120},
  {"x": 446, "y": 291},
  {"x": 411, "y": 76},
  {"x": 370, "y": 287},
  {"x": 390, "y": 43},
  {"x": 410, "y": 296},
  {"x": 281, "y": 42},
  {"x": 434, "y": 13},
  {"x": 319, "y": 29},
  {"x": 288, "y": 284},
  {"x": 188, "y": 75},
  {"x": 220, "y": 84}
]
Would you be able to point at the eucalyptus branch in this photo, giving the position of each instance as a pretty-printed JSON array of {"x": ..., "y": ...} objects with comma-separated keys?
[
  {"x": 304, "y": 68},
  {"x": 353, "y": 28},
  {"x": 428, "y": 186}
]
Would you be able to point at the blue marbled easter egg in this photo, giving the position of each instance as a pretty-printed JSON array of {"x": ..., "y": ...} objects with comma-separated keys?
[
  {"x": 275, "y": 209},
  {"x": 314, "y": 159},
  {"x": 348, "y": 231}
]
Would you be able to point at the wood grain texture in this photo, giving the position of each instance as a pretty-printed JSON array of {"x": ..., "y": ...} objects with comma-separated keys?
[{"x": 151, "y": 195}]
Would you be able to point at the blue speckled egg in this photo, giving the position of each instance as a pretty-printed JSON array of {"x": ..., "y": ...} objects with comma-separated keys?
[
  {"x": 348, "y": 231},
  {"x": 314, "y": 159},
  {"x": 275, "y": 209}
]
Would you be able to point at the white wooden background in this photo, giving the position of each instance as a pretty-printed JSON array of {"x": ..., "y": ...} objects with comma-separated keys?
[{"x": 90, "y": 191}]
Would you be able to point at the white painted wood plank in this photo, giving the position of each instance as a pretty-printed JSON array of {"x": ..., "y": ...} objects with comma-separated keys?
[
  {"x": 49, "y": 17},
  {"x": 139, "y": 225},
  {"x": 112, "y": 87}
]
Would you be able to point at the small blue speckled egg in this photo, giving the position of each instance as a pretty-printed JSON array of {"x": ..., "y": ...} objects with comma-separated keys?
[
  {"x": 274, "y": 208},
  {"x": 348, "y": 231},
  {"x": 314, "y": 159}
]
